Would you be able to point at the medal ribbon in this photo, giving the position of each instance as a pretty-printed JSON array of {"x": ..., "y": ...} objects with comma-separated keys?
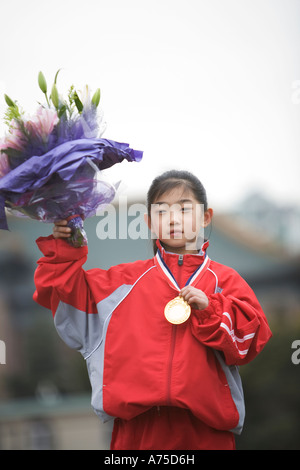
[{"x": 170, "y": 276}]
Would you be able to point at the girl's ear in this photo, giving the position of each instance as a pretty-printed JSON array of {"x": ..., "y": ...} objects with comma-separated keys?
[{"x": 208, "y": 215}]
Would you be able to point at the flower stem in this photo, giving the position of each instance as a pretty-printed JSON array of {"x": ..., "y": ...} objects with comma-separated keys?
[{"x": 47, "y": 100}]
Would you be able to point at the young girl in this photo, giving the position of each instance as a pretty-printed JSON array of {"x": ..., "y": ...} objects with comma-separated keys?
[{"x": 162, "y": 338}]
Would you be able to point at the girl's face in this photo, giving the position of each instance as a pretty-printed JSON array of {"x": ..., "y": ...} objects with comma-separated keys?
[{"x": 177, "y": 219}]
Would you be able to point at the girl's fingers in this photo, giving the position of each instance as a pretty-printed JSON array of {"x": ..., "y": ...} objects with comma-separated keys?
[
  {"x": 194, "y": 297},
  {"x": 60, "y": 229},
  {"x": 61, "y": 222},
  {"x": 188, "y": 291}
]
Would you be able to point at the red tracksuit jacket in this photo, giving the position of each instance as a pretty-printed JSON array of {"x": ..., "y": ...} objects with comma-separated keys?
[{"x": 137, "y": 360}]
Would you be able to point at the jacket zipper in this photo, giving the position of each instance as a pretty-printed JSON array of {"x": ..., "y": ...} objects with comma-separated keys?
[
  {"x": 170, "y": 363},
  {"x": 173, "y": 341}
]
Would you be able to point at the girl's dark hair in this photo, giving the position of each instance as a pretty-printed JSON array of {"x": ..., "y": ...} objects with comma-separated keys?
[{"x": 172, "y": 179}]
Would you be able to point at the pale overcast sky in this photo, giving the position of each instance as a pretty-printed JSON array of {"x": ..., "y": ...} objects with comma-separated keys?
[{"x": 212, "y": 86}]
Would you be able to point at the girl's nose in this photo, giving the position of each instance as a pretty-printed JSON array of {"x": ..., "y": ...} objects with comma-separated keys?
[{"x": 175, "y": 217}]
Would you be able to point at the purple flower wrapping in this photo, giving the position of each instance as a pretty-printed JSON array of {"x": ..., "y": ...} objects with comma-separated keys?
[
  {"x": 64, "y": 181},
  {"x": 78, "y": 236}
]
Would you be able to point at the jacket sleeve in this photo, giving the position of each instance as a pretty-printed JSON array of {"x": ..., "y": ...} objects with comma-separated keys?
[
  {"x": 233, "y": 322},
  {"x": 73, "y": 294},
  {"x": 59, "y": 276}
]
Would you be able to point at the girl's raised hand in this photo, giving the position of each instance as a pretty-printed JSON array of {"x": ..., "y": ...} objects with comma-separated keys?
[
  {"x": 60, "y": 229},
  {"x": 195, "y": 297}
]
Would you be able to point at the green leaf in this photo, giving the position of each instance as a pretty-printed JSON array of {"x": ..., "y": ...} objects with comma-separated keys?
[
  {"x": 12, "y": 153},
  {"x": 11, "y": 113},
  {"x": 62, "y": 110},
  {"x": 78, "y": 103},
  {"x": 55, "y": 78}
]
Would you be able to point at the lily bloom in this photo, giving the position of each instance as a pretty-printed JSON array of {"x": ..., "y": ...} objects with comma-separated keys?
[
  {"x": 4, "y": 165},
  {"x": 15, "y": 138},
  {"x": 43, "y": 123}
]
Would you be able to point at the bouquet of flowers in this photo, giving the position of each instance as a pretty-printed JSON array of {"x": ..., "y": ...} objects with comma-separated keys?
[{"x": 50, "y": 164}]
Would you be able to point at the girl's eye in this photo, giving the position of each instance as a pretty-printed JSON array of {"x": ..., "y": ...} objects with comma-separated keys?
[
  {"x": 160, "y": 212},
  {"x": 186, "y": 209}
]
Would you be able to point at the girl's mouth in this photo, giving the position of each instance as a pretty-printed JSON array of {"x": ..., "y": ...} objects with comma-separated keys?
[{"x": 176, "y": 234}]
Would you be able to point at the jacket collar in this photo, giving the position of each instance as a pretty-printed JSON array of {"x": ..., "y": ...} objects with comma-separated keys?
[
  {"x": 182, "y": 269},
  {"x": 197, "y": 257}
]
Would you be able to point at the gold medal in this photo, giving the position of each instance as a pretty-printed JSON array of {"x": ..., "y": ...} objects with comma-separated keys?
[{"x": 177, "y": 311}]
